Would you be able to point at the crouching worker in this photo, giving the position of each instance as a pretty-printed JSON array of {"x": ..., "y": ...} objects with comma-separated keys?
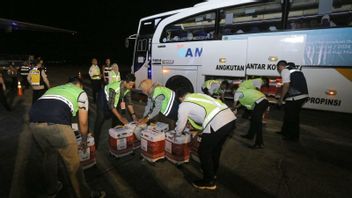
[
  {"x": 215, "y": 121},
  {"x": 256, "y": 102},
  {"x": 111, "y": 103},
  {"x": 50, "y": 123},
  {"x": 160, "y": 99},
  {"x": 215, "y": 88}
]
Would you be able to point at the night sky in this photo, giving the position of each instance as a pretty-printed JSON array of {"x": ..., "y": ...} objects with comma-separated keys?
[{"x": 102, "y": 27}]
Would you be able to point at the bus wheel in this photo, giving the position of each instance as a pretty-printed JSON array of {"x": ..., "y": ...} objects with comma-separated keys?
[{"x": 177, "y": 82}]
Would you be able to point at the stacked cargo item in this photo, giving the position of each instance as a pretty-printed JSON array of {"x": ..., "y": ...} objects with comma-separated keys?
[
  {"x": 177, "y": 147},
  {"x": 87, "y": 157},
  {"x": 123, "y": 140},
  {"x": 153, "y": 142}
]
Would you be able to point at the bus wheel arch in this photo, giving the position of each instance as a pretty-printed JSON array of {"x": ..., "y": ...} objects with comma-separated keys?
[{"x": 178, "y": 81}]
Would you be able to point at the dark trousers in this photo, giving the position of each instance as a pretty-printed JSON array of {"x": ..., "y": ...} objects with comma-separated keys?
[
  {"x": 24, "y": 81},
  {"x": 210, "y": 149},
  {"x": 3, "y": 99},
  {"x": 54, "y": 140},
  {"x": 102, "y": 114},
  {"x": 37, "y": 94},
  {"x": 290, "y": 127},
  {"x": 96, "y": 86},
  {"x": 256, "y": 125}
]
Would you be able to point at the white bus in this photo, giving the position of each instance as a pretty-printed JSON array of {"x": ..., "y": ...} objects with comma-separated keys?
[{"x": 234, "y": 39}]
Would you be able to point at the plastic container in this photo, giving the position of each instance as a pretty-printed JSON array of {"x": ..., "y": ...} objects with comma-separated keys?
[
  {"x": 177, "y": 148},
  {"x": 159, "y": 126},
  {"x": 121, "y": 141},
  {"x": 87, "y": 157},
  {"x": 152, "y": 145}
]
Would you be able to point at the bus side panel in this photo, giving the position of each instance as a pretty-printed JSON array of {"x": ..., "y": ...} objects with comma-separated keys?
[
  {"x": 225, "y": 58},
  {"x": 321, "y": 81},
  {"x": 266, "y": 50}
]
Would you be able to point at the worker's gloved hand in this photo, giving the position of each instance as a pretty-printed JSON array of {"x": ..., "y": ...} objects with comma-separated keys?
[{"x": 83, "y": 146}]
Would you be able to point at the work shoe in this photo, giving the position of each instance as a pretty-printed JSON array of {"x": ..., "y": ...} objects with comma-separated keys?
[
  {"x": 204, "y": 185},
  {"x": 97, "y": 194},
  {"x": 59, "y": 186}
]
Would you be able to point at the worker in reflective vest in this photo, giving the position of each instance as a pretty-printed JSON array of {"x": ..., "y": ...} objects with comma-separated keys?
[
  {"x": 215, "y": 121},
  {"x": 114, "y": 74},
  {"x": 256, "y": 102},
  {"x": 215, "y": 88},
  {"x": 95, "y": 76},
  {"x": 111, "y": 102},
  {"x": 24, "y": 71},
  {"x": 50, "y": 123},
  {"x": 38, "y": 80},
  {"x": 295, "y": 93},
  {"x": 106, "y": 69},
  {"x": 160, "y": 99}
]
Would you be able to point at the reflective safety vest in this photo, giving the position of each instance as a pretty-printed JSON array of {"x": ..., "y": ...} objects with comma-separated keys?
[
  {"x": 298, "y": 84},
  {"x": 207, "y": 84},
  {"x": 169, "y": 95},
  {"x": 116, "y": 86},
  {"x": 212, "y": 108},
  {"x": 67, "y": 93},
  {"x": 250, "y": 96},
  {"x": 106, "y": 71},
  {"x": 24, "y": 70},
  {"x": 96, "y": 73},
  {"x": 113, "y": 77},
  {"x": 248, "y": 84},
  {"x": 35, "y": 75}
]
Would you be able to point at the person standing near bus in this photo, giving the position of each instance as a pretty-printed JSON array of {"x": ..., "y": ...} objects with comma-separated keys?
[
  {"x": 160, "y": 100},
  {"x": 215, "y": 88},
  {"x": 24, "y": 71},
  {"x": 106, "y": 69},
  {"x": 114, "y": 74},
  {"x": 215, "y": 121},
  {"x": 256, "y": 102},
  {"x": 111, "y": 101},
  {"x": 3, "y": 98},
  {"x": 295, "y": 93},
  {"x": 50, "y": 123},
  {"x": 38, "y": 80},
  {"x": 95, "y": 76}
]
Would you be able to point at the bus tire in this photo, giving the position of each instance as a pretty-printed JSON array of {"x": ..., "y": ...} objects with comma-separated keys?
[{"x": 176, "y": 82}]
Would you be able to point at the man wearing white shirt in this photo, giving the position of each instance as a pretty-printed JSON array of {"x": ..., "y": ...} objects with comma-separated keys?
[
  {"x": 95, "y": 76},
  {"x": 215, "y": 121}
]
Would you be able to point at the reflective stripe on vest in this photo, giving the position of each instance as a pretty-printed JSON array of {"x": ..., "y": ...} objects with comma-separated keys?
[
  {"x": 250, "y": 96},
  {"x": 116, "y": 87},
  {"x": 106, "y": 71},
  {"x": 67, "y": 93},
  {"x": 169, "y": 99},
  {"x": 208, "y": 83},
  {"x": 212, "y": 106}
]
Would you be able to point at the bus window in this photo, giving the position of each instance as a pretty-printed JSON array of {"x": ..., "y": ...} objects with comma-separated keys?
[
  {"x": 310, "y": 14},
  {"x": 263, "y": 17},
  {"x": 195, "y": 28}
]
